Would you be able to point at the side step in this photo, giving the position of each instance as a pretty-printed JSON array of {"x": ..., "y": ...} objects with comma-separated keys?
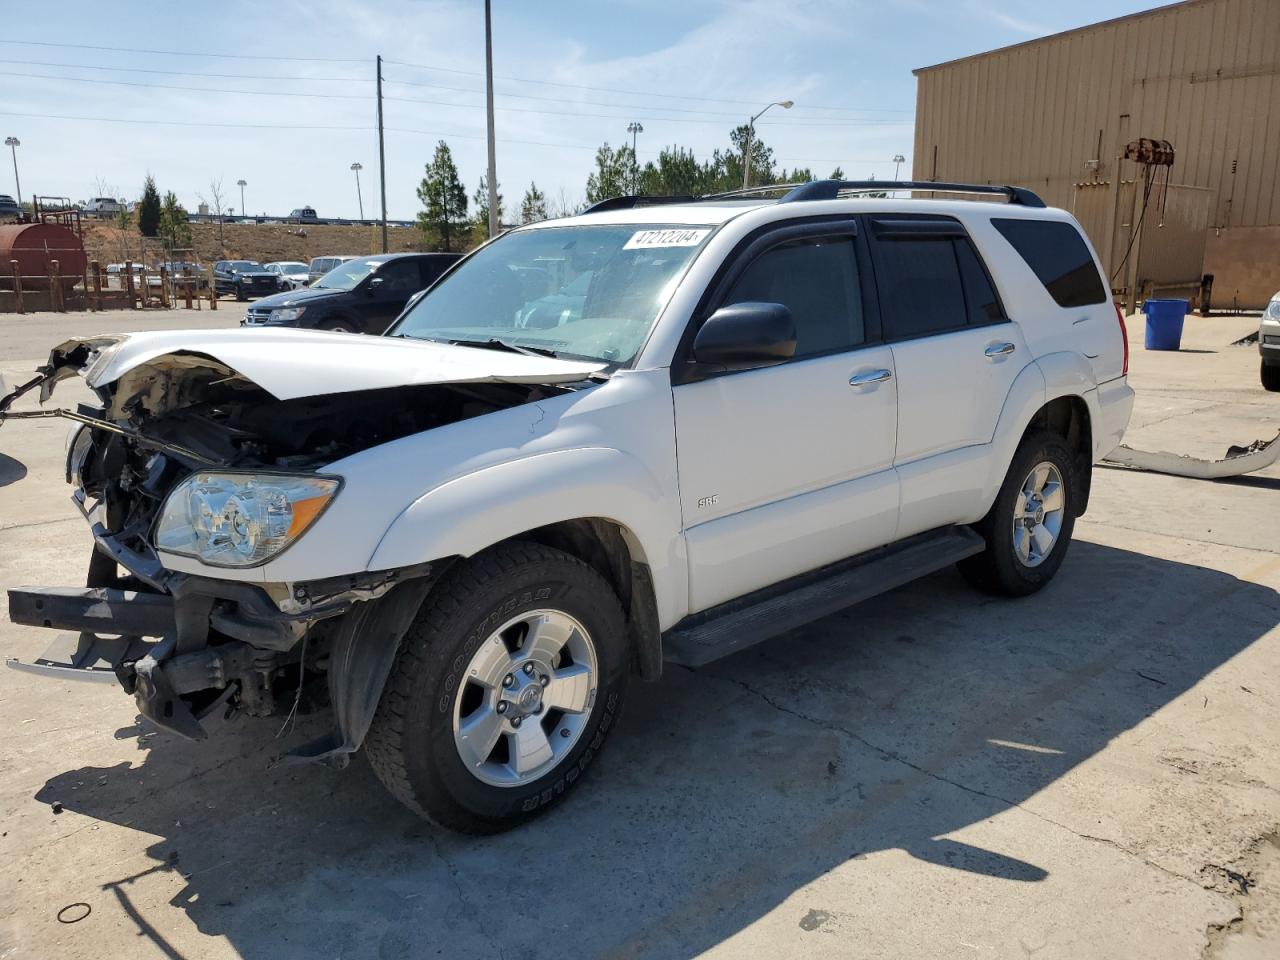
[{"x": 746, "y": 621}]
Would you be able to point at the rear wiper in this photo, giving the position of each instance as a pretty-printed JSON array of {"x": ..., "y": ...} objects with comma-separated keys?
[{"x": 493, "y": 343}]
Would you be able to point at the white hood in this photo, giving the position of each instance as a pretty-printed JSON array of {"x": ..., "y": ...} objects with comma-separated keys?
[{"x": 304, "y": 363}]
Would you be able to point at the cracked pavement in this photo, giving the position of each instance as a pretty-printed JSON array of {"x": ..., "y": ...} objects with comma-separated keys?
[{"x": 1091, "y": 772}]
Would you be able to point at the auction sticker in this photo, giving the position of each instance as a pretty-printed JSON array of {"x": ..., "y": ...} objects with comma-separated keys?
[{"x": 651, "y": 239}]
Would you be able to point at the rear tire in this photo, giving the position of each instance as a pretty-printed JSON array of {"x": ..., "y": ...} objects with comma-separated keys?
[
  {"x": 503, "y": 691},
  {"x": 1028, "y": 528},
  {"x": 1270, "y": 374}
]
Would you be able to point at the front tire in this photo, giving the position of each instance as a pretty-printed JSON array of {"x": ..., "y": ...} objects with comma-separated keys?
[
  {"x": 503, "y": 691},
  {"x": 1270, "y": 375},
  {"x": 1028, "y": 528}
]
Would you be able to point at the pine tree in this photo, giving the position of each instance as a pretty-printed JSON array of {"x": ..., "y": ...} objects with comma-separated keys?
[
  {"x": 534, "y": 205},
  {"x": 443, "y": 218},
  {"x": 614, "y": 174},
  {"x": 174, "y": 227},
  {"x": 149, "y": 208}
]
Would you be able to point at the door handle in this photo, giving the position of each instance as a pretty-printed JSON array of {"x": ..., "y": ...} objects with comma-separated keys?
[
  {"x": 999, "y": 350},
  {"x": 870, "y": 377}
]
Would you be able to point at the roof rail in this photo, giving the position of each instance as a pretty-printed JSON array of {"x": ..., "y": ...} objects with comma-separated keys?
[
  {"x": 629, "y": 202},
  {"x": 751, "y": 191},
  {"x": 830, "y": 189}
]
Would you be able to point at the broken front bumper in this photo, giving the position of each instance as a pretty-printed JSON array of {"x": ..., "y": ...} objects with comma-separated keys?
[{"x": 139, "y": 640}]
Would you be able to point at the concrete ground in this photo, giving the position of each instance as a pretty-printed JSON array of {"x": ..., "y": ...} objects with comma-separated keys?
[{"x": 1090, "y": 772}]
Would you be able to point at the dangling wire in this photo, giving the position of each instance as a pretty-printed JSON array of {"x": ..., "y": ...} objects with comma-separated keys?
[{"x": 302, "y": 674}]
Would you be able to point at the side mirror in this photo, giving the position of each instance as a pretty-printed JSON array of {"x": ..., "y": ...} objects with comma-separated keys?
[
  {"x": 745, "y": 335},
  {"x": 374, "y": 284}
]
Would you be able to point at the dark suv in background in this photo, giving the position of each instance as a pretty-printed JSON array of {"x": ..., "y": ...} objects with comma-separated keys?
[
  {"x": 362, "y": 295},
  {"x": 244, "y": 278}
]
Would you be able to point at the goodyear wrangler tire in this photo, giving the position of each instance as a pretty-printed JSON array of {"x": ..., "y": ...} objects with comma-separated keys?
[{"x": 503, "y": 691}]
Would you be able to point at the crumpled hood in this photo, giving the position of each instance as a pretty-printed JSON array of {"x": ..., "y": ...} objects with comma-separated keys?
[{"x": 290, "y": 363}]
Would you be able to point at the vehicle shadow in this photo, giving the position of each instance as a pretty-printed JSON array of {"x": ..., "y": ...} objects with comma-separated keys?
[
  {"x": 11, "y": 470},
  {"x": 723, "y": 792}
]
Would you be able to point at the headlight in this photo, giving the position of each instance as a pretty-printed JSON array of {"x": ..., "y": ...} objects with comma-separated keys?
[
  {"x": 1273, "y": 309},
  {"x": 240, "y": 519},
  {"x": 286, "y": 314}
]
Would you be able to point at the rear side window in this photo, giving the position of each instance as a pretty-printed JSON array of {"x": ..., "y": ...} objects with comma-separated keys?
[
  {"x": 817, "y": 279},
  {"x": 1058, "y": 256}
]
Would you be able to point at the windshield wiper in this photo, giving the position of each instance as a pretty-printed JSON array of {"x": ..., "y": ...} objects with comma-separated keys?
[{"x": 493, "y": 343}]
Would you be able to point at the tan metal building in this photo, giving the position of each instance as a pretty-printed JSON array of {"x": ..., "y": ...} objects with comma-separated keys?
[{"x": 1055, "y": 114}]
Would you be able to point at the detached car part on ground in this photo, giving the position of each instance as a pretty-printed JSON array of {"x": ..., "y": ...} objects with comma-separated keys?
[{"x": 468, "y": 535}]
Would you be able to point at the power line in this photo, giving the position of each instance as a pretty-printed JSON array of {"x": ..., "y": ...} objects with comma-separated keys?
[
  {"x": 185, "y": 53},
  {"x": 633, "y": 93},
  {"x": 174, "y": 86},
  {"x": 181, "y": 123},
  {"x": 186, "y": 73}
]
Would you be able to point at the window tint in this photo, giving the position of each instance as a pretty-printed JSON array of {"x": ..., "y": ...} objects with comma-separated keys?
[
  {"x": 984, "y": 305},
  {"x": 1057, "y": 254},
  {"x": 818, "y": 280},
  {"x": 400, "y": 276},
  {"x": 920, "y": 290}
]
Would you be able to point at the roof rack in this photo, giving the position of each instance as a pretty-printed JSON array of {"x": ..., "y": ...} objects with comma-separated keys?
[
  {"x": 629, "y": 202},
  {"x": 831, "y": 189}
]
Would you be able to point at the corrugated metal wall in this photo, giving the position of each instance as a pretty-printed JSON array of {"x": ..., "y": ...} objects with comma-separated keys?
[{"x": 1204, "y": 75}]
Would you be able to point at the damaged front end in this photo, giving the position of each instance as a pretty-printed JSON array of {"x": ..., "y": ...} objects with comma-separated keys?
[{"x": 185, "y": 455}]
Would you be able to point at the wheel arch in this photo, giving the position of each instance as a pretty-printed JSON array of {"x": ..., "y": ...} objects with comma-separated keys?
[{"x": 1068, "y": 416}]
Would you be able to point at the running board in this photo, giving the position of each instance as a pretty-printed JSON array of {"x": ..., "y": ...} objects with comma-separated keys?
[{"x": 746, "y": 621}]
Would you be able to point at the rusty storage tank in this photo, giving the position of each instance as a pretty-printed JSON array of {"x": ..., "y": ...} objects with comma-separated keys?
[{"x": 34, "y": 245}]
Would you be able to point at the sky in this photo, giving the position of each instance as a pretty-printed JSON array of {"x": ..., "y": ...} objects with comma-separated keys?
[{"x": 281, "y": 94}]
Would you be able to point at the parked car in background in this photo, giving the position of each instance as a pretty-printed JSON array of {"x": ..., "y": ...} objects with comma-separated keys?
[
  {"x": 290, "y": 274},
  {"x": 187, "y": 271},
  {"x": 103, "y": 207},
  {"x": 8, "y": 206},
  {"x": 361, "y": 295},
  {"x": 322, "y": 265},
  {"x": 303, "y": 215},
  {"x": 1269, "y": 344},
  {"x": 244, "y": 278}
]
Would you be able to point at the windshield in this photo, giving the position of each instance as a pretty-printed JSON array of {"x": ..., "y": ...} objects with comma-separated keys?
[
  {"x": 244, "y": 266},
  {"x": 590, "y": 292},
  {"x": 291, "y": 266},
  {"x": 346, "y": 275}
]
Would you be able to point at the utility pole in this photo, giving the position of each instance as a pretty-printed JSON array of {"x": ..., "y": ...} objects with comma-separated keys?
[
  {"x": 382, "y": 159},
  {"x": 633, "y": 129},
  {"x": 357, "y": 167},
  {"x": 494, "y": 219},
  {"x": 13, "y": 143},
  {"x": 242, "y": 184}
]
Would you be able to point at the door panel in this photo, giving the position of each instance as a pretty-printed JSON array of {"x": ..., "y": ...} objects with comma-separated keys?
[{"x": 784, "y": 469}]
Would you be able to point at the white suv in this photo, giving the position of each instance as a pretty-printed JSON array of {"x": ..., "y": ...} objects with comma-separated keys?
[{"x": 650, "y": 432}]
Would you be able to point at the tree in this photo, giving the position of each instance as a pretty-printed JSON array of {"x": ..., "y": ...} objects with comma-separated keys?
[
  {"x": 534, "y": 205},
  {"x": 761, "y": 158},
  {"x": 149, "y": 208},
  {"x": 104, "y": 188},
  {"x": 444, "y": 200},
  {"x": 215, "y": 201},
  {"x": 615, "y": 171},
  {"x": 836, "y": 174},
  {"x": 174, "y": 227},
  {"x": 676, "y": 174},
  {"x": 481, "y": 218}
]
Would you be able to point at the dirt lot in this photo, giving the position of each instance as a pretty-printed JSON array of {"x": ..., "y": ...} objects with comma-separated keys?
[
  {"x": 263, "y": 242},
  {"x": 1091, "y": 772}
]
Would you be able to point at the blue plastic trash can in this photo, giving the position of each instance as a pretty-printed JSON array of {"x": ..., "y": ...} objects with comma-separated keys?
[{"x": 1164, "y": 323}]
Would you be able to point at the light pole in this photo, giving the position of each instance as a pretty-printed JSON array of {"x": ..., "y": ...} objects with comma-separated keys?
[
  {"x": 495, "y": 223},
  {"x": 751, "y": 127},
  {"x": 359, "y": 199},
  {"x": 634, "y": 128},
  {"x": 241, "y": 184},
  {"x": 897, "y": 159},
  {"x": 13, "y": 143}
]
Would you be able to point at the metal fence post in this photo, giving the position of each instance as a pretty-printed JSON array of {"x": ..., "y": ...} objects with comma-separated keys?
[
  {"x": 128, "y": 283},
  {"x": 95, "y": 268},
  {"x": 55, "y": 286},
  {"x": 17, "y": 285},
  {"x": 213, "y": 291}
]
